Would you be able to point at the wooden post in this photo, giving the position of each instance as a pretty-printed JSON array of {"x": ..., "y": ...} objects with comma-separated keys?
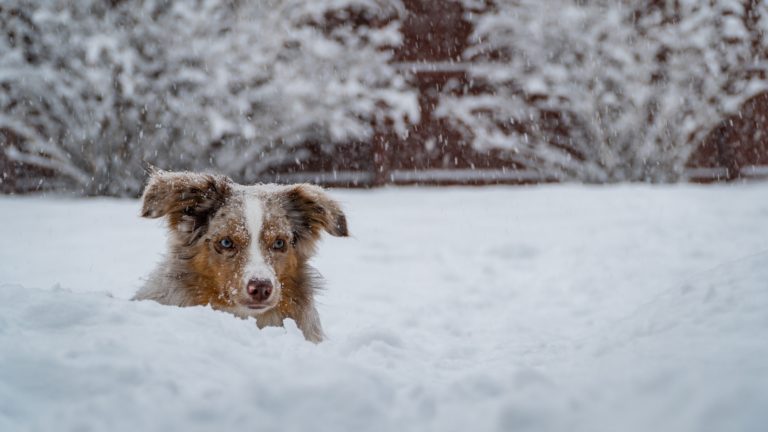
[{"x": 381, "y": 159}]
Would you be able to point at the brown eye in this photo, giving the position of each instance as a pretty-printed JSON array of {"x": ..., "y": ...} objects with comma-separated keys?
[
  {"x": 278, "y": 245},
  {"x": 226, "y": 243}
]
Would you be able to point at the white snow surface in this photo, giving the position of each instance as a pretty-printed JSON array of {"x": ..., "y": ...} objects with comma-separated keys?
[{"x": 622, "y": 308}]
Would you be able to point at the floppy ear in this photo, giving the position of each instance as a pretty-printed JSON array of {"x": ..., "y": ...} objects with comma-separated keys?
[
  {"x": 311, "y": 210},
  {"x": 188, "y": 199}
]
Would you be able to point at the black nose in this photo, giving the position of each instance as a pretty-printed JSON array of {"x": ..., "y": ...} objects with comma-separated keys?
[{"x": 259, "y": 289}]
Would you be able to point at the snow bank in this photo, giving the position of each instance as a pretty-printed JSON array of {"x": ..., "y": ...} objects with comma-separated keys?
[{"x": 549, "y": 308}]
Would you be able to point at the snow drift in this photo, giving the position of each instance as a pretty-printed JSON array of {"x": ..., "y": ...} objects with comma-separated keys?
[{"x": 548, "y": 308}]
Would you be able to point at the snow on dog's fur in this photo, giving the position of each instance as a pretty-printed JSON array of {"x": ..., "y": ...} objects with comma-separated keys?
[{"x": 241, "y": 249}]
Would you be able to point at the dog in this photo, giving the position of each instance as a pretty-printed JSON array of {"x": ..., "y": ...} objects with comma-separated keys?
[{"x": 240, "y": 249}]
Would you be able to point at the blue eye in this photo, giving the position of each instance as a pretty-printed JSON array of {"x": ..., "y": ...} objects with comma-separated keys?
[
  {"x": 226, "y": 243},
  {"x": 279, "y": 244}
]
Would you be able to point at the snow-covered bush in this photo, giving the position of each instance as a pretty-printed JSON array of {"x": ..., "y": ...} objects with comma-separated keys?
[
  {"x": 608, "y": 90},
  {"x": 94, "y": 89}
]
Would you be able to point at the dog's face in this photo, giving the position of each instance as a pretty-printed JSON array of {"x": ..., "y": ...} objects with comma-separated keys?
[{"x": 239, "y": 247}]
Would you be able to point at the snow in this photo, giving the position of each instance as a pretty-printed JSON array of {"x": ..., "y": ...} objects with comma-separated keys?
[{"x": 562, "y": 307}]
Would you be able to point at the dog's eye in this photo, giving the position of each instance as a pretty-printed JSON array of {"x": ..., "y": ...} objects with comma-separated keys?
[
  {"x": 278, "y": 245},
  {"x": 226, "y": 243}
]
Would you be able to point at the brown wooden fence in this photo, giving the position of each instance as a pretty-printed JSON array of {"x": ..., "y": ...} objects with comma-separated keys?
[{"x": 737, "y": 148}]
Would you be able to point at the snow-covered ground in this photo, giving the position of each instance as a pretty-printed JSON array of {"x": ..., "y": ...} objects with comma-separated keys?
[{"x": 624, "y": 308}]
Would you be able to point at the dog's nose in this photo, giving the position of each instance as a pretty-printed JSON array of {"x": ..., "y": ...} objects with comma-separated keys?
[{"x": 259, "y": 289}]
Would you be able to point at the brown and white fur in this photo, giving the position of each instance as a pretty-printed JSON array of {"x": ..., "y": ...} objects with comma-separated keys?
[{"x": 240, "y": 249}]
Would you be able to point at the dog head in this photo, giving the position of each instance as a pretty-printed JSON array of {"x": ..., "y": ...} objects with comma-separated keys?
[{"x": 239, "y": 247}]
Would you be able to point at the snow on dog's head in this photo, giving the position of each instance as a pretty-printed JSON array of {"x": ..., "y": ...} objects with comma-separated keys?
[{"x": 242, "y": 248}]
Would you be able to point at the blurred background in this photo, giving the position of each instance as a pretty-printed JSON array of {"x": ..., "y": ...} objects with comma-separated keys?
[{"x": 365, "y": 93}]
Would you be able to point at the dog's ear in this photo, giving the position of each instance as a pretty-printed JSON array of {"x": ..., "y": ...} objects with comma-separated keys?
[
  {"x": 311, "y": 210},
  {"x": 188, "y": 199}
]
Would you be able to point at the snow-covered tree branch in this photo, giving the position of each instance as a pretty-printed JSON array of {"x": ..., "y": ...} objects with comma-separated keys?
[
  {"x": 94, "y": 89},
  {"x": 609, "y": 90}
]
